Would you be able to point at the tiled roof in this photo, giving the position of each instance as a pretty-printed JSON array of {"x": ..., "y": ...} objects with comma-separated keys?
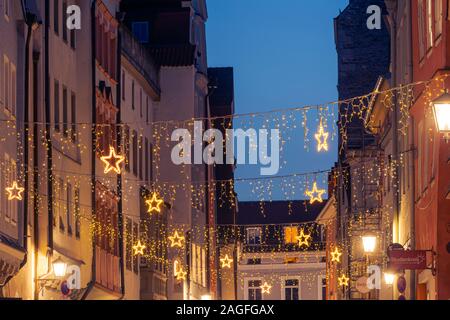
[
  {"x": 174, "y": 55},
  {"x": 278, "y": 212}
]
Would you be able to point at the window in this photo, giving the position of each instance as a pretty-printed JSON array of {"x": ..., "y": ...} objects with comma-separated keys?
[
  {"x": 147, "y": 174},
  {"x": 141, "y": 31},
  {"x": 7, "y": 9},
  {"x": 64, "y": 24},
  {"x": 127, "y": 148},
  {"x": 56, "y": 16},
  {"x": 141, "y": 159},
  {"x": 140, "y": 103},
  {"x": 123, "y": 85},
  {"x": 59, "y": 194},
  {"x": 77, "y": 214},
  {"x": 291, "y": 289},
  {"x": 9, "y": 175},
  {"x": 253, "y": 236},
  {"x": 56, "y": 106},
  {"x": 421, "y": 26},
  {"x": 419, "y": 158},
  {"x": 323, "y": 288},
  {"x": 65, "y": 113},
  {"x": 69, "y": 208},
  {"x": 73, "y": 111},
  {"x": 135, "y": 239},
  {"x": 148, "y": 110},
  {"x": 132, "y": 95},
  {"x": 13, "y": 90},
  {"x": 135, "y": 152},
  {"x": 129, "y": 244},
  {"x": 430, "y": 37},
  {"x": 290, "y": 235},
  {"x": 6, "y": 82},
  {"x": 254, "y": 291},
  {"x": 438, "y": 16}
]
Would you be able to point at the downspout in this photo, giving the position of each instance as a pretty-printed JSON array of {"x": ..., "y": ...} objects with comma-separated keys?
[
  {"x": 120, "y": 148},
  {"x": 35, "y": 168},
  {"x": 94, "y": 142},
  {"x": 411, "y": 158},
  {"x": 48, "y": 136}
]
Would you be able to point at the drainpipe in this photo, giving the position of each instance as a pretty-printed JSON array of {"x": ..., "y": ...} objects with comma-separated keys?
[
  {"x": 411, "y": 158},
  {"x": 48, "y": 136},
  {"x": 120, "y": 148},
  {"x": 94, "y": 142}
]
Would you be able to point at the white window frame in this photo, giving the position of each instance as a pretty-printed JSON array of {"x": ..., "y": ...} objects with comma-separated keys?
[
  {"x": 438, "y": 18},
  {"x": 258, "y": 229},
  {"x": 320, "y": 279},
  {"x": 430, "y": 24},
  {"x": 246, "y": 287},
  {"x": 421, "y": 27},
  {"x": 283, "y": 287},
  {"x": 7, "y": 9}
]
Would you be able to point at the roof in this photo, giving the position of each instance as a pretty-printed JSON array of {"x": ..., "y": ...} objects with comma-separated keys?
[
  {"x": 278, "y": 212},
  {"x": 222, "y": 80},
  {"x": 174, "y": 55}
]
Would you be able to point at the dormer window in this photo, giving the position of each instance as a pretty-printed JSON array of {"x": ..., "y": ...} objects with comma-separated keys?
[
  {"x": 141, "y": 31},
  {"x": 254, "y": 236}
]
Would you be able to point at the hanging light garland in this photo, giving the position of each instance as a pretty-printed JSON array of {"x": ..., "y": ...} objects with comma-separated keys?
[
  {"x": 265, "y": 288},
  {"x": 343, "y": 280},
  {"x": 303, "y": 238}
]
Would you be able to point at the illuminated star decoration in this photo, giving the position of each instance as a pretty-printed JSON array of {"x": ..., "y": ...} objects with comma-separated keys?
[
  {"x": 154, "y": 204},
  {"x": 336, "y": 255},
  {"x": 139, "y": 248},
  {"x": 265, "y": 288},
  {"x": 177, "y": 240},
  {"x": 226, "y": 262},
  {"x": 303, "y": 239},
  {"x": 15, "y": 192},
  {"x": 315, "y": 194},
  {"x": 343, "y": 281},
  {"x": 112, "y": 161},
  {"x": 322, "y": 138}
]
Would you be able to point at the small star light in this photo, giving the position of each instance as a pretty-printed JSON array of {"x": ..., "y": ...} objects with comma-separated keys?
[
  {"x": 322, "y": 138},
  {"x": 154, "y": 204},
  {"x": 336, "y": 255},
  {"x": 226, "y": 262},
  {"x": 15, "y": 192},
  {"x": 139, "y": 248},
  {"x": 315, "y": 194},
  {"x": 178, "y": 272},
  {"x": 343, "y": 281},
  {"x": 177, "y": 240},
  {"x": 265, "y": 288},
  {"x": 303, "y": 239},
  {"x": 112, "y": 161}
]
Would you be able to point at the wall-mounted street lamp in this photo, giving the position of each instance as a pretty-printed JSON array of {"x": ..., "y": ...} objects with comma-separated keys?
[
  {"x": 369, "y": 243},
  {"x": 441, "y": 109},
  {"x": 389, "y": 277},
  {"x": 59, "y": 267}
]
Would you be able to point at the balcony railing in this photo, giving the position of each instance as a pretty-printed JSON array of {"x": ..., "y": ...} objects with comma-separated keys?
[
  {"x": 140, "y": 57},
  {"x": 265, "y": 248}
]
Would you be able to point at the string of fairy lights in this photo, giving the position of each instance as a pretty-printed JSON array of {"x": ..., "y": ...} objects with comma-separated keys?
[{"x": 337, "y": 115}]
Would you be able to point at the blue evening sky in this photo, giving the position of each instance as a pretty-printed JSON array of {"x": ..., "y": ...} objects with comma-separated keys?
[{"x": 284, "y": 56}]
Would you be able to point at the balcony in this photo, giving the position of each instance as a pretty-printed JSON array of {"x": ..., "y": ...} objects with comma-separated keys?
[
  {"x": 277, "y": 247},
  {"x": 141, "y": 59}
]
